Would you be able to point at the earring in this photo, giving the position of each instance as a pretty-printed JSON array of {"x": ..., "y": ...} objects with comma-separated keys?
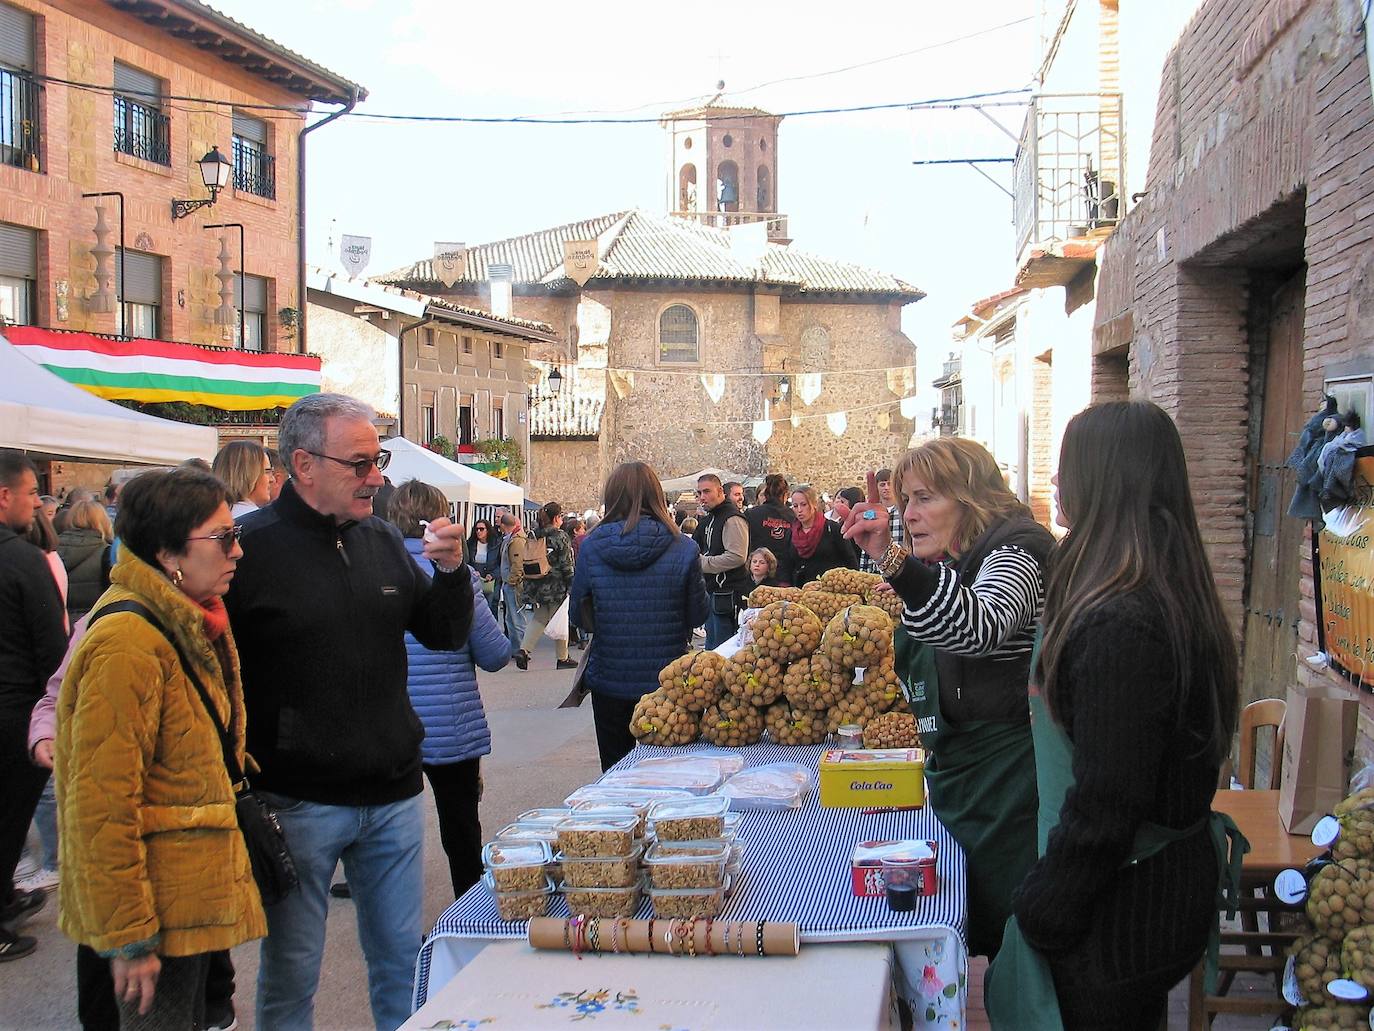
[{"x": 176, "y": 576}]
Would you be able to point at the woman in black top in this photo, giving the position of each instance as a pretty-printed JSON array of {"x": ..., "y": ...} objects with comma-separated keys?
[
  {"x": 817, "y": 543},
  {"x": 1138, "y": 672},
  {"x": 484, "y": 556}
]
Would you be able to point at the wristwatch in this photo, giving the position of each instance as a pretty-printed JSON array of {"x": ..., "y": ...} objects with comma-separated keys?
[{"x": 892, "y": 560}]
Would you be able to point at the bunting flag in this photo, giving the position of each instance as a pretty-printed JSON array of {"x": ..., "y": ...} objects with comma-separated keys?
[
  {"x": 901, "y": 380},
  {"x": 809, "y": 387},
  {"x": 623, "y": 383},
  {"x": 715, "y": 387},
  {"x": 763, "y": 430},
  {"x": 838, "y": 422},
  {"x": 884, "y": 420},
  {"x": 908, "y": 407},
  {"x": 796, "y": 421}
]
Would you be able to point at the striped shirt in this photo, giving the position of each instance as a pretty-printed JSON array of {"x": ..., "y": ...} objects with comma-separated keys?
[{"x": 994, "y": 616}]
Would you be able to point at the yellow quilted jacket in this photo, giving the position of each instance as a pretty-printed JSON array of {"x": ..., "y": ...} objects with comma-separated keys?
[{"x": 150, "y": 846}]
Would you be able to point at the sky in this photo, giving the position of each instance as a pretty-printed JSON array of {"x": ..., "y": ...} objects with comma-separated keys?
[{"x": 846, "y": 181}]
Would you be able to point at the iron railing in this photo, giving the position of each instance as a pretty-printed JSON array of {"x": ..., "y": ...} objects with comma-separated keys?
[
  {"x": 1070, "y": 166},
  {"x": 255, "y": 171},
  {"x": 141, "y": 131},
  {"x": 19, "y": 120}
]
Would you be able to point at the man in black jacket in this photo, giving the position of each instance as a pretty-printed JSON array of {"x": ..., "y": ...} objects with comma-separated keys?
[
  {"x": 33, "y": 638},
  {"x": 723, "y": 537},
  {"x": 319, "y": 607}
]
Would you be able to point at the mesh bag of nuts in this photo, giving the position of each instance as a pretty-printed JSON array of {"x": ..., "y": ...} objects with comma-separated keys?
[
  {"x": 881, "y": 681},
  {"x": 752, "y": 677},
  {"x": 857, "y": 635},
  {"x": 858, "y": 706},
  {"x": 1356, "y": 816},
  {"x": 824, "y": 603},
  {"x": 888, "y": 601},
  {"x": 658, "y": 721},
  {"x": 1341, "y": 898},
  {"x": 785, "y": 630},
  {"x": 1357, "y": 956},
  {"x": 1316, "y": 963},
  {"x": 693, "y": 681},
  {"x": 848, "y": 581},
  {"x": 811, "y": 683},
  {"x": 1337, "y": 1017},
  {"x": 891, "y": 730},
  {"x": 760, "y": 597},
  {"x": 791, "y": 726},
  {"x": 732, "y": 723}
]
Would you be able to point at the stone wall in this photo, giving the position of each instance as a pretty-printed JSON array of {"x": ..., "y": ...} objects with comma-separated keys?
[{"x": 566, "y": 471}]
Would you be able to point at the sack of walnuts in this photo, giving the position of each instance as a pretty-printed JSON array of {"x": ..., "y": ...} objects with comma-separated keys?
[
  {"x": 658, "y": 721},
  {"x": 1316, "y": 963},
  {"x": 1341, "y": 898},
  {"x": 791, "y": 726},
  {"x": 824, "y": 603},
  {"x": 848, "y": 581},
  {"x": 881, "y": 681},
  {"x": 1357, "y": 956},
  {"x": 858, "y": 706},
  {"x": 891, "y": 730},
  {"x": 760, "y": 597},
  {"x": 888, "y": 601},
  {"x": 693, "y": 681},
  {"x": 752, "y": 677},
  {"x": 857, "y": 635},
  {"x": 786, "y": 630},
  {"x": 732, "y": 723},
  {"x": 1343, "y": 1016},
  {"x": 810, "y": 683},
  {"x": 1356, "y": 816}
]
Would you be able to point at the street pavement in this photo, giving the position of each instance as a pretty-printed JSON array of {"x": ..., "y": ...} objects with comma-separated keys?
[{"x": 539, "y": 754}]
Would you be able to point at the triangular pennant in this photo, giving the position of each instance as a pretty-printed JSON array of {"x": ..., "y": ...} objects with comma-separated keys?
[
  {"x": 908, "y": 407},
  {"x": 763, "y": 429},
  {"x": 838, "y": 422},
  {"x": 809, "y": 386},
  {"x": 715, "y": 386}
]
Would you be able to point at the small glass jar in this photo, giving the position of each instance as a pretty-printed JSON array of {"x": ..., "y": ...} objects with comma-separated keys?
[{"x": 850, "y": 735}]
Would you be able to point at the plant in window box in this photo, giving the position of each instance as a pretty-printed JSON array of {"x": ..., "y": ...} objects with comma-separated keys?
[
  {"x": 504, "y": 450},
  {"x": 441, "y": 445}
]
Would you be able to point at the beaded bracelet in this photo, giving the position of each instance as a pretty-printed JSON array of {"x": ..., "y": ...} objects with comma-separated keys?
[
  {"x": 758, "y": 938},
  {"x": 710, "y": 948},
  {"x": 594, "y": 933},
  {"x": 739, "y": 939},
  {"x": 726, "y": 932},
  {"x": 567, "y": 942},
  {"x": 692, "y": 938},
  {"x": 651, "y": 934}
]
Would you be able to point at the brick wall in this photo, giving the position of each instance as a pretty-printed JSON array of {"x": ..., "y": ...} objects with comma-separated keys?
[{"x": 1041, "y": 441}]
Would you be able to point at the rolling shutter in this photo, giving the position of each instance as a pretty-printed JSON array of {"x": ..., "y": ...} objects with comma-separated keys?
[
  {"x": 16, "y": 38},
  {"x": 249, "y": 128},
  {"x": 138, "y": 85},
  {"x": 142, "y": 276},
  {"x": 250, "y": 293},
  {"x": 18, "y": 252}
]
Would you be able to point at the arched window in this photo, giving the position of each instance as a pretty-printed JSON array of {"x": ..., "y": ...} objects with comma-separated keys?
[
  {"x": 727, "y": 186},
  {"x": 677, "y": 334},
  {"x": 687, "y": 188}
]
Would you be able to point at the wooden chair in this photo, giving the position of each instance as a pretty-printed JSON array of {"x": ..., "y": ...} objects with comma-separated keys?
[{"x": 1268, "y": 712}]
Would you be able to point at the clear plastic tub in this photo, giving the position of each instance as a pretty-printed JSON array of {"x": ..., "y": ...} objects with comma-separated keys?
[
  {"x": 697, "y": 864},
  {"x": 517, "y": 865},
  {"x": 602, "y": 809},
  {"x": 548, "y": 817},
  {"x": 727, "y": 764},
  {"x": 689, "y": 902},
  {"x": 520, "y": 905},
  {"x": 610, "y": 794},
  {"x": 602, "y": 902},
  {"x": 701, "y": 779},
  {"x": 601, "y": 871},
  {"x": 586, "y": 837},
  {"x": 527, "y": 832},
  {"x": 696, "y": 819}
]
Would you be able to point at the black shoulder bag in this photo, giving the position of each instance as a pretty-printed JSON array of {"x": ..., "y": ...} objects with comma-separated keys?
[{"x": 273, "y": 868}]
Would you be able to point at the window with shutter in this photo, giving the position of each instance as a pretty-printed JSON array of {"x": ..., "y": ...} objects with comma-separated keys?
[
  {"x": 18, "y": 271},
  {"x": 250, "y": 299},
  {"x": 19, "y": 94},
  {"x": 16, "y": 38},
  {"x": 141, "y": 292},
  {"x": 254, "y": 168},
  {"x": 141, "y": 129}
]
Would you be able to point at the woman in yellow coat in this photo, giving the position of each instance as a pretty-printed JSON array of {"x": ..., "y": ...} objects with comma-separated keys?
[{"x": 156, "y": 875}]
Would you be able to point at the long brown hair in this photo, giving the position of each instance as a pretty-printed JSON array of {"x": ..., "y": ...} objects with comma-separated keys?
[
  {"x": 633, "y": 491},
  {"x": 963, "y": 471},
  {"x": 1123, "y": 488}
]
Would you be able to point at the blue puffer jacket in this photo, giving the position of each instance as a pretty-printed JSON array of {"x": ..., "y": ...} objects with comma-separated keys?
[
  {"x": 647, "y": 596},
  {"x": 443, "y": 685}
]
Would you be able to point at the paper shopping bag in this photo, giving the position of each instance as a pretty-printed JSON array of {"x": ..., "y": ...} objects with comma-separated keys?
[{"x": 1318, "y": 751}]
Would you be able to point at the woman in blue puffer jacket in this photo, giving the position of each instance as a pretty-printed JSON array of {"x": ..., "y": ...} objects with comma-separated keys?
[
  {"x": 643, "y": 580},
  {"x": 443, "y": 690}
]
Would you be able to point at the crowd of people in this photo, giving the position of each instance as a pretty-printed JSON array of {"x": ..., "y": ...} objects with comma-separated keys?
[{"x": 291, "y": 614}]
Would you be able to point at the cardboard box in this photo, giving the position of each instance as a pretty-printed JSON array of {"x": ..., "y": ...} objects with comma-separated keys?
[
  {"x": 872, "y": 777},
  {"x": 866, "y": 870}
]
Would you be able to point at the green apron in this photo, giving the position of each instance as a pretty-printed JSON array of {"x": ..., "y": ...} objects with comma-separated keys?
[
  {"x": 979, "y": 785},
  {"x": 1019, "y": 986}
]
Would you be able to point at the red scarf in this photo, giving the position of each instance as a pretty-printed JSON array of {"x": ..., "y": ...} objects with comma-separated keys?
[
  {"x": 216, "y": 617},
  {"x": 806, "y": 541}
]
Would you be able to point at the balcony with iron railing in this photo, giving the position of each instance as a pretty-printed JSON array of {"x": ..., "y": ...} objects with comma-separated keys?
[
  {"x": 20, "y": 110},
  {"x": 255, "y": 171},
  {"x": 946, "y": 420},
  {"x": 142, "y": 131},
  {"x": 777, "y": 224},
  {"x": 1069, "y": 172}
]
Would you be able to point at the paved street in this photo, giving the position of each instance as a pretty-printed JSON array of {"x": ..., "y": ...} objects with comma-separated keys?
[{"x": 539, "y": 754}]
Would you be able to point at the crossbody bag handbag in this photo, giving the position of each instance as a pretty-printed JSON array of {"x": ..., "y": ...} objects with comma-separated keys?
[{"x": 273, "y": 868}]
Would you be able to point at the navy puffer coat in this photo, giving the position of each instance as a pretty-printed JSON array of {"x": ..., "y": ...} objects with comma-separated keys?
[
  {"x": 647, "y": 597},
  {"x": 443, "y": 685}
]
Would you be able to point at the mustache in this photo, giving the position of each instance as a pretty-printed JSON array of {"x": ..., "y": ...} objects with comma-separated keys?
[{"x": 365, "y": 492}]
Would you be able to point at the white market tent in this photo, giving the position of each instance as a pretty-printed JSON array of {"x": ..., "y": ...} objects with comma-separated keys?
[
  {"x": 46, "y": 416},
  {"x": 463, "y": 487},
  {"x": 681, "y": 483}
]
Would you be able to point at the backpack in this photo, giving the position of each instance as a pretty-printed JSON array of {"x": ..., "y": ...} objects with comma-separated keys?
[{"x": 536, "y": 558}]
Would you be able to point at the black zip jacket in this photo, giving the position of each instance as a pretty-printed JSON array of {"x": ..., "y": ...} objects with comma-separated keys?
[
  {"x": 33, "y": 638},
  {"x": 319, "y": 612}
]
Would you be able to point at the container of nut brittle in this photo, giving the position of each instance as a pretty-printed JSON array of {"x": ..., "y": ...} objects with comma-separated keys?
[
  {"x": 689, "y": 819},
  {"x": 520, "y": 905},
  {"x": 588, "y": 836},
  {"x": 687, "y": 864},
  {"x": 517, "y": 865}
]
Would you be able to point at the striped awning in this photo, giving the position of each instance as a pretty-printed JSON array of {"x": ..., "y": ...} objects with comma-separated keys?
[{"x": 159, "y": 370}]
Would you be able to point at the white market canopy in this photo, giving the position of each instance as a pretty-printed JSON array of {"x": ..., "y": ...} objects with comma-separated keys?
[
  {"x": 461, "y": 485},
  {"x": 680, "y": 483},
  {"x": 46, "y": 416}
]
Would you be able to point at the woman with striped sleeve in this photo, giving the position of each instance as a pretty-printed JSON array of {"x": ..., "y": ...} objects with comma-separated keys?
[{"x": 971, "y": 579}]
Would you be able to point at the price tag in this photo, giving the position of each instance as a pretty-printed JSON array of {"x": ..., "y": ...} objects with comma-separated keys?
[
  {"x": 1292, "y": 994},
  {"x": 859, "y": 672},
  {"x": 1325, "y": 833},
  {"x": 1290, "y": 887},
  {"x": 1347, "y": 990}
]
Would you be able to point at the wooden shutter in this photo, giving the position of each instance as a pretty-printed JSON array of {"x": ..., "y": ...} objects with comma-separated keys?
[
  {"x": 18, "y": 252},
  {"x": 137, "y": 85},
  {"x": 250, "y": 293},
  {"x": 250, "y": 128},
  {"x": 16, "y": 38},
  {"x": 142, "y": 276}
]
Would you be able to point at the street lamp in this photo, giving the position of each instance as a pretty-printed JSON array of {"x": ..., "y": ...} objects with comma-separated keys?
[
  {"x": 215, "y": 170},
  {"x": 555, "y": 382}
]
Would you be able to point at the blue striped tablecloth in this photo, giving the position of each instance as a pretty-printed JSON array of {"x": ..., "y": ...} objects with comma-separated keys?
[{"x": 796, "y": 869}]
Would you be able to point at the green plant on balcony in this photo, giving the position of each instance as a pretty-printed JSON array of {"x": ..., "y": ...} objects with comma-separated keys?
[
  {"x": 441, "y": 445},
  {"x": 498, "y": 449}
]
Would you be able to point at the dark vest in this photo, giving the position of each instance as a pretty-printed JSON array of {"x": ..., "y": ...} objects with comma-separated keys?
[{"x": 710, "y": 538}]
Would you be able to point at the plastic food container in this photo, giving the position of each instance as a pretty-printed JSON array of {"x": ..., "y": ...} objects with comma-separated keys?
[
  {"x": 695, "y": 819},
  {"x": 601, "y": 871},
  {"x": 611, "y": 794},
  {"x": 517, "y": 865},
  {"x": 544, "y": 817},
  {"x": 735, "y": 862},
  {"x": 602, "y": 902},
  {"x": 688, "y": 902},
  {"x": 727, "y": 764},
  {"x": 699, "y": 780},
  {"x": 527, "y": 832},
  {"x": 587, "y": 837},
  {"x": 520, "y": 905},
  {"x": 605, "y": 809},
  {"x": 687, "y": 865}
]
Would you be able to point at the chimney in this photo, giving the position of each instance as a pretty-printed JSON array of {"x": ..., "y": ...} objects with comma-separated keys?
[{"x": 500, "y": 277}]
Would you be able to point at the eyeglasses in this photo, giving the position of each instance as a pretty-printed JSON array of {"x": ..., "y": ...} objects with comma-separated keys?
[
  {"x": 361, "y": 466},
  {"x": 227, "y": 538}
]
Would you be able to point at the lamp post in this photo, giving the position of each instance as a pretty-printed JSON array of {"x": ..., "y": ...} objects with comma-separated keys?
[
  {"x": 215, "y": 170},
  {"x": 555, "y": 383}
]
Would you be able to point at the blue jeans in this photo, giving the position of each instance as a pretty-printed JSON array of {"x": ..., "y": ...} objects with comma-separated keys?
[
  {"x": 720, "y": 629},
  {"x": 517, "y": 618},
  {"x": 381, "y": 848},
  {"x": 45, "y": 819}
]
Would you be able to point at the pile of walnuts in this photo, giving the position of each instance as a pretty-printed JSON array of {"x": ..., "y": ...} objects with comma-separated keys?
[
  {"x": 659, "y": 721},
  {"x": 891, "y": 730},
  {"x": 786, "y": 631},
  {"x": 693, "y": 681}
]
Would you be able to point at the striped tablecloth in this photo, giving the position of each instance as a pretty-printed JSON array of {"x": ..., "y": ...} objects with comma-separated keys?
[{"x": 796, "y": 869}]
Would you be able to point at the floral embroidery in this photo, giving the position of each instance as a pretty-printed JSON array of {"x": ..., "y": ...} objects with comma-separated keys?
[
  {"x": 942, "y": 998},
  {"x": 588, "y": 1004}
]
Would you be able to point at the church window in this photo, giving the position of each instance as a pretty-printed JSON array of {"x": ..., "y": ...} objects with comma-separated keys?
[{"x": 677, "y": 334}]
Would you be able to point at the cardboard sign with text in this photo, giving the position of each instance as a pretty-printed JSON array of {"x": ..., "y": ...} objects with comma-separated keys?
[{"x": 1318, "y": 749}]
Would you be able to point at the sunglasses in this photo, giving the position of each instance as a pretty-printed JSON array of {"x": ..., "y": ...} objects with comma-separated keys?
[
  {"x": 361, "y": 466},
  {"x": 227, "y": 538}
]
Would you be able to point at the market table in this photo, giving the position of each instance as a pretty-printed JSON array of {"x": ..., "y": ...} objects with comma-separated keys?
[
  {"x": 795, "y": 869},
  {"x": 1272, "y": 848}
]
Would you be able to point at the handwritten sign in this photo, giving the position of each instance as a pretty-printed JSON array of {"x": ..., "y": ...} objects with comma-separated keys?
[
  {"x": 580, "y": 260},
  {"x": 1347, "y": 580}
]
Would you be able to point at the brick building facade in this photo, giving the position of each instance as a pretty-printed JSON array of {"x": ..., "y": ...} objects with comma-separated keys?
[{"x": 1239, "y": 288}]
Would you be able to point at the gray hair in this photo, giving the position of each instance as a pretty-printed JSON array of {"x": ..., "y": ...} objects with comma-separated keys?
[{"x": 303, "y": 424}]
